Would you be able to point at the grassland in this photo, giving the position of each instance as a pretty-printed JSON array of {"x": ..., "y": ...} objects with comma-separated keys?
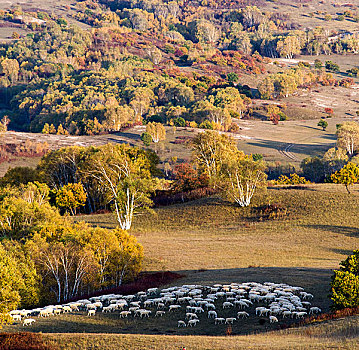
[
  {"x": 339, "y": 334},
  {"x": 303, "y": 137}
]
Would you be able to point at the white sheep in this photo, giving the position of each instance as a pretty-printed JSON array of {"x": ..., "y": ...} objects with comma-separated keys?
[
  {"x": 230, "y": 320},
  {"x": 124, "y": 314},
  {"x": 193, "y": 322},
  {"x": 181, "y": 323},
  {"x": 212, "y": 314},
  {"x": 174, "y": 307},
  {"x": 67, "y": 308},
  {"x": 57, "y": 311},
  {"x": 242, "y": 314},
  {"x": 219, "y": 320},
  {"x": 159, "y": 313},
  {"x": 91, "y": 312},
  {"x": 286, "y": 314},
  {"x": 314, "y": 310},
  {"x": 227, "y": 305},
  {"x": 145, "y": 313},
  {"x": 28, "y": 322},
  {"x": 273, "y": 319},
  {"x": 191, "y": 315},
  {"x": 16, "y": 317}
]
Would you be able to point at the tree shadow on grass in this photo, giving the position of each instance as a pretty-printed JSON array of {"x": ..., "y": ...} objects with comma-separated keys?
[
  {"x": 344, "y": 230},
  {"x": 345, "y": 252}
]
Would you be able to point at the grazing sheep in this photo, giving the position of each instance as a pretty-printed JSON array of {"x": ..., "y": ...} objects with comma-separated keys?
[
  {"x": 273, "y": 319},
  {"x": 227, "y": 305},
  {"x": 91, "y": 312},
  {"x": 191, "y": 315},
  {"x": 91, "y": 307},
  {"x": 160, "y": 313},
  {"x": 133, "y": 309},
  {"x": 28, "y": 322},
  {"x": 16, "y": 317},
  {"x": 145, "y": 313},
  {"x": 264, "y": 311},
  {"x": 57, "y": 311},
  {"x": 160, "y": 306},
  {"x": 219, "y": 320},
  {"x": 314, "y": 310},
  {"x": 174, "y": 307},
  {"x": 193, "y": 322},
  {"x": 210, "y": 306},
  {"x": 181, "y": 324},
  {"x": 301, "y": 314},
  {"x": 242, "y": 304},
  {"x": 198, "y": 310},
  {"x": 212, "y": 314},
  {"x": 242, "y": 314},
  {"x": 107, "y": 309},
  {"x": 67, "y": 308},
  {"x": 124, "y": 314},
  {"x": 286, "y": 314},
  {"x": 230, "y": 320}
]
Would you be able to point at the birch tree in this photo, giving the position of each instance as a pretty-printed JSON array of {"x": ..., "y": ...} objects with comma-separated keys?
[
  {"x": 157, "y": 131},
  {"x": 242, "y": 178},
  {"x": 348, "y": 137},
  {"x": 211, "y": 151},
  {"x": 124, "y": 173}
]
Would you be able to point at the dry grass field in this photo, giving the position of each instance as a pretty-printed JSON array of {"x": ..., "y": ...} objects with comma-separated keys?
[
  {"x": 320, "y": 228},
  {"x": 339, "y": 334}
]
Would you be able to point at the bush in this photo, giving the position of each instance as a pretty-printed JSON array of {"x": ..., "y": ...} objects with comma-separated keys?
[
  {"x": 293, "y": 179},
  {"x": 206, "y": 125},
  {"x": 146, "y": 138},
  {"x": 179, "y": 121},
  {"x": 331, "y": 66},
  {"x": 257, "y": 156},
  {"x": 345, "y": 283}
]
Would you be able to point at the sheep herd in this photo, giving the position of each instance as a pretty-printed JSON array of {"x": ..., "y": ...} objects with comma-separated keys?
[{"x": 191, "y": 304}]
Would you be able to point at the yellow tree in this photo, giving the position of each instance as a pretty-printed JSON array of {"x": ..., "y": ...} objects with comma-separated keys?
[
  {"x": 10, "y": 283},
  {"x": 211, "y": 151},
  {"x": 347, "y": 176},
  {"x": 157, "y": 131},
  {"x": 289, "y": 47},
  {"x": 71, "y": 197}
]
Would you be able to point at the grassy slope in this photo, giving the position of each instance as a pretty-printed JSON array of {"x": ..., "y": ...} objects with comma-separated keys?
[{"x": 320, "y": 229}]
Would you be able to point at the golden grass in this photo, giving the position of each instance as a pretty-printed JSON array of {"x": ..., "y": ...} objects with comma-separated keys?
[
  {"x": 338, "y": 334},
  {"x": 320, "y": 230}
]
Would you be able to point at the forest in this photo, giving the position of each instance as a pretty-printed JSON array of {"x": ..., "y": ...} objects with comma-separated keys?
[{"x": 146, "y": 61}]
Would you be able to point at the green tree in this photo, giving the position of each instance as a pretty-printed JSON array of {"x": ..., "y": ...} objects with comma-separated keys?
[
  {"x": 146, "y": 138},
  {"x": 345, "y": 283},
  {"x": 323, "y": 124},
  {"x": 347, "y": 176},
  {"x": 232, "y": 77}
]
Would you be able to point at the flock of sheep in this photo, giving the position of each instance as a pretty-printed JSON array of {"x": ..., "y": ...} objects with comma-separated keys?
[{"x": 193, "y": 303}]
